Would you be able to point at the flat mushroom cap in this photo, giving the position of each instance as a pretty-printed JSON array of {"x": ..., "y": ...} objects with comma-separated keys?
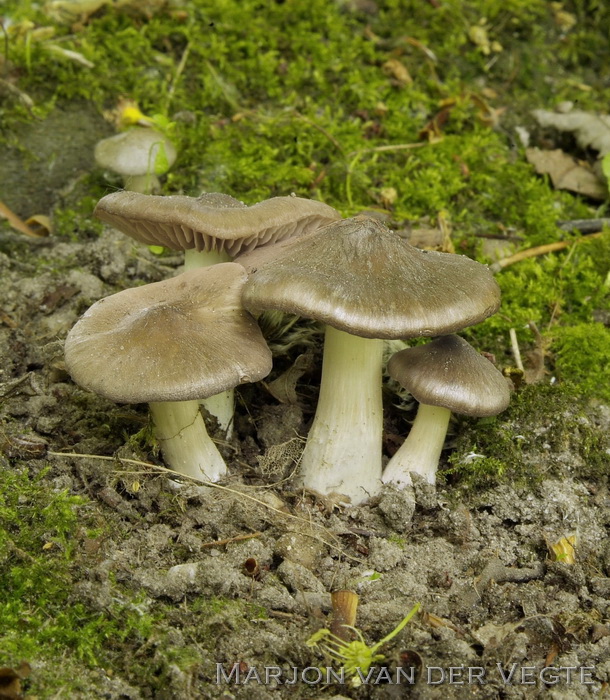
[
  {"x": 358, "y": 276},
  {"x": 449, "y": 372},
  {"x": 136, "y": 152},
  {"x": 213, "y": 221},
  {"x": 184, "y": 338}
]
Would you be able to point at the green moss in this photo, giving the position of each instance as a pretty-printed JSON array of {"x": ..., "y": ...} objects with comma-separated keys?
[
  {"x": 39, "y": 620},
  {"x": 582, "y": 358},
  {"x": 397, "y": 540},
  {"x": 560, "y": 293},
  {"x": 529, "y": 441},
  {"x": 228, "y": 608}
]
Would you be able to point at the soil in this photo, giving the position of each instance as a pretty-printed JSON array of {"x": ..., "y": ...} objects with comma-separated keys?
[{"x": 241, "y": 574}]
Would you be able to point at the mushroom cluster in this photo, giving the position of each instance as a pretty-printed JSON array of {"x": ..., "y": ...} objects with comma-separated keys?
[
  {"x": 361, "y": 280},
  {"x": 187, "y": 341}
]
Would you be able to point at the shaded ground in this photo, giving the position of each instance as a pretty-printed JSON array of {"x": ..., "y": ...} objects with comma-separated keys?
[{"x": 120, "y": 582}]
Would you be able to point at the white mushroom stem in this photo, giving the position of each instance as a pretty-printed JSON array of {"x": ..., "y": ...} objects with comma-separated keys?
[
  {"x": 186, "y": 446},
  {"x": 221, "y": 406},
  {"x": 343, "y": 450},
  {"x": 421, "y": 451},
  {"x": 203, "y": 258}
]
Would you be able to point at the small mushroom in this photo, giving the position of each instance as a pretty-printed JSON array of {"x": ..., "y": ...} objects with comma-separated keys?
[
  {"x": 210, "y": 229},
  {"x": 445, "y": 375},
  {"x": 139, "y": 155},
  {"x": 169, "y": 344},
  {"x": 366, "y": 284}
]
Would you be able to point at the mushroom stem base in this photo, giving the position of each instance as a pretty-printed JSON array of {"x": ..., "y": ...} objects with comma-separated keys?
[
  {"x": 186, "y": 446},
  {"x": 421, "y": 451},
  {"x": 343, "y": 450}
]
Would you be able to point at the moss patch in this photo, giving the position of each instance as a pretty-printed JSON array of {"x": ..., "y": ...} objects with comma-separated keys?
[{"x": 545, "y": 432}]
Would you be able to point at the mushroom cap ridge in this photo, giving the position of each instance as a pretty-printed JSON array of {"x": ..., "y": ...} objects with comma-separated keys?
[
  {"x": 449, "y": 372},
  {"x": 213, "y": 221},
  {"x": 358, "y": 276},
  {"x": 184, "y": 338}
]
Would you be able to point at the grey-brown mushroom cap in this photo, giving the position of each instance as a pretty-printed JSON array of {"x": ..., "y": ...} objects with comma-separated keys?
[
  {"x": 358, "y": 276},
  {"x": 213, "y": 221},
  {"x": 180, "y": 339},
  {"x": 449, "y": 372},
  {"x": 136, "y": 152}
]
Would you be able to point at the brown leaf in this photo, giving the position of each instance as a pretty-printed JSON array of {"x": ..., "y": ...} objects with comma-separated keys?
[
  {"x": 564, "y": 549},
  {"x": 40, "y": 224},
  {"x": 10, "y": 681},
  {"x": 567, "y": 173},
  {"x": 590, "y": 130},
  {"x": 284, "y": 387},
  {"x": 18, "y": 224},
  {"x": 397, "y": 70}
]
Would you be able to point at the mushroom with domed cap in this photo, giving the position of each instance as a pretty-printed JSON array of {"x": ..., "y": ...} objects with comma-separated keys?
[
  {"x": 139, "y": 155},
  {"x": 366, "y": 284},
  {"x": 445, "y": 375},
  {"x": 169, "y": 344}
]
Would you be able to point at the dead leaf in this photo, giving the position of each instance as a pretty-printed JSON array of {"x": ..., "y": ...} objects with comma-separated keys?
[
  {"x": 422, "y": 47},
  {"x": 536, "y": 370},
  {"x": 18, "y": 224},
  {"x": 435, "y": 621},
  {"x": 552, "y": 655},
  {"x": 10, "y": 681},
  {"x": 567, "y": 173},
  {"x": 564, "y": 549},
  {"x": 599, "y": 631},
  {"x": 40, "y": 224},
  {"x": 74, "y": 56},
  {"x": 284, "y": 387},
  {"x": 590, "y": 130},
  {"x": 397, "y": 70},
  {"x": 433, "y": 131}
]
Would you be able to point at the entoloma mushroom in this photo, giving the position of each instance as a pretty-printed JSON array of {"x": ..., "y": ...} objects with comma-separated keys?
[
  {"x": 366, "y": 284},
  {"x": 211, "y": 228},
  {"x": 139, "y": 155},
  {"x": 169, "y": 344},
  {"x": 445, "y": 375}
]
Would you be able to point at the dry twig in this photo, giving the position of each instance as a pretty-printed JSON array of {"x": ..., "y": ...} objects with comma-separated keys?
[{"x": 539, "y": 250}]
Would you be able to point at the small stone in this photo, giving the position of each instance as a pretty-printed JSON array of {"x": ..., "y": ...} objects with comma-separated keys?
[
  {"x": 297, "y": 578},
  {"x": 397, "y": 507},
  {"x": 299, "y": 547}
]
